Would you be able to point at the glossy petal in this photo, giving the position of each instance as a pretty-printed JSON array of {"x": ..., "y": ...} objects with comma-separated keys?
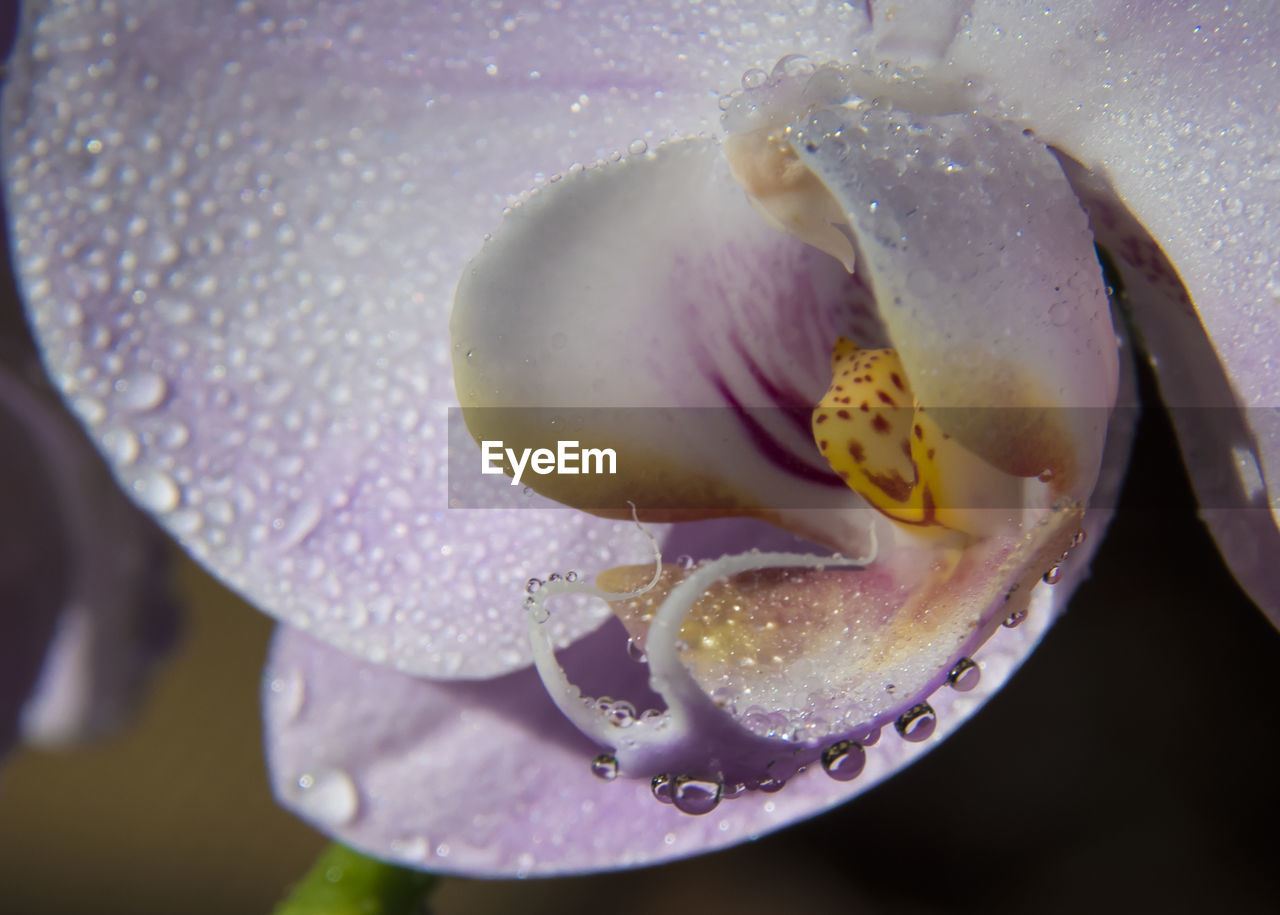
[
  {"x": 490, "y": 779},
  {"x": 646, "y": 303},
  {"x": 1173, "y": 106},
  {"x": 241, "y": 281}
]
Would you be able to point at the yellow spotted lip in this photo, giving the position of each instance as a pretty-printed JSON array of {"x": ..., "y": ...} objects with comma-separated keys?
[{"x": 885, "y": 445}]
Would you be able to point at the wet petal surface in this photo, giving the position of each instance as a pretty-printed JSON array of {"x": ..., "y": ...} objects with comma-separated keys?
[
  {"x": 1173, "y": 110},
  {"x": 390, "y": 765},
  {"x": 243, "y": 282}
]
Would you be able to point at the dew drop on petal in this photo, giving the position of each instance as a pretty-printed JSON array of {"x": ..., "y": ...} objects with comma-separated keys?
[
  {"x": 537, "y": 612},
  {"x": 844, "y": 761},
  {"x": 771, "y": 785},
  {"x": 696, "y": 796},
  {"x": 139, "y": 391},
  {"x": 965, "y": 675},
  {"x": 326, "y": 795},
  {"x": 605, "y": 767},
  {"x": 1053, "y": 576},
  {"x": 155, "y": 491},
  {"x": 661, "y": 788},
  {"x": 1015, "y": 619},
  {"x": 635, "y": 652},
  {"x": 288, "y": 695},
  {"x": 618, "y": 712},
  {"x": 120, "y": 445},
  {"x": 917, "y": 723}
]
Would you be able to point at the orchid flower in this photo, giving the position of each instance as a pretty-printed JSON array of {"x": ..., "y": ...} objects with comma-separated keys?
[{"x": 241, "y": 235}]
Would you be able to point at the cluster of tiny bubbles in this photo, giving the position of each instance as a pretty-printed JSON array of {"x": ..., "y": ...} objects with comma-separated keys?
[
  {"x": 917, "y": 723},
  {"x": 844, "y": 761},
  {"x": 965, "y": 675},
  {"x": 605, "y": 767},
  {"x": 532, "y": 605},
  {"x": 789, "y": 87},
  {"x": 1015, "y": 619},
  {"x": 1053, "y": 576}
]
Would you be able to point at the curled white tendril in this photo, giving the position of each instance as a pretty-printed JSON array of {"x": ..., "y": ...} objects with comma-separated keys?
[{"x": 688, "y": 735}]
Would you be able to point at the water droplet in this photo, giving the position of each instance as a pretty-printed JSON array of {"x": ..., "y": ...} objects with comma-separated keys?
[
  {"x": 965, "y": 675},
  {"x": 635, "y": 652},
  {"x": 1053, "y": 576},
  {"x": 155, "y": 491},
  {"x": 555, "y": 576},
  {"x": 605, "y": 767},
  {"x": 537, "y": 612},
  {"x": 696, "y": 796},
  {"x": 661, "y": 788},
  {"x": 328, "y": 795},
  {"x": 754, "y": 78},
  {"x": 844, "y": 761},
  {"x": 119, "y": 444},
  {"x": 794, "y": 65},
  {"x": 871, "y": 738},
  {"x": 917, "y": 723},
  {"x": 571, "y": 575},
  {"x": 618, "y": 712},
  {"x": 637, "y": 147},
  {"x": 533, "y": 585},
  {"x": 143, "y": 390},
  {"x": 1078, "y": 539},
  {"x": 1015, "y": 619},
  {"x": 288, "y": 695},
  {"x": 685, "y": 562},
  {"x": 301, "y": 522},
  {"x": 1045, "y": 475},
  {"x": 771, "y": 785}
]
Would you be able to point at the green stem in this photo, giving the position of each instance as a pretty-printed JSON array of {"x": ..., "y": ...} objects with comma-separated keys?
[{"x": 344, "y": 882}]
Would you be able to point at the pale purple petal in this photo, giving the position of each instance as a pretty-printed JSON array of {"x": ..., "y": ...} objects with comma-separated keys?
[
  {"x": 1174, "y": 106},
  {"x": 239, "y": 228},
  {"x": 490, "y": 779}
]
